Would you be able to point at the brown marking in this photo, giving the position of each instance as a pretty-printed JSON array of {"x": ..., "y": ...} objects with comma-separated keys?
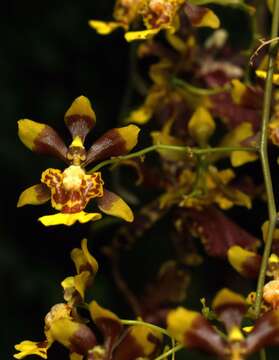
[
  {"x": 79, "y": 125},
  {"x": 49, "y": 142},
  {"x": 108, "y": 145},
  {"x": 83, "y": 340},
  {"x": 106, "y": 201},
  {"x": 195, "y": 13}
]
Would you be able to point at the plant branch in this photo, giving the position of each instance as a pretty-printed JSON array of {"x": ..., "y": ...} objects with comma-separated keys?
[
  {"x": 151, "y": 326},
  {"x": 170, "y": 352},
  {"x": 186, "y": 149},
  {"x": 265, "y": 160}
]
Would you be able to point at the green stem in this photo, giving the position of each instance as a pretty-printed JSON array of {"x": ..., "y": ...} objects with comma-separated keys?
[
  {"x": 186, "y": 149},
  {"x": 151, "y": 326},
  {"x": 199, "y": 91},
  {"x": 265, "y": 160},
  {"x": 170, "y": 352}
]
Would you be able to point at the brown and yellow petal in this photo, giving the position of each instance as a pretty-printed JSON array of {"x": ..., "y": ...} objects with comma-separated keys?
[
  {"x": 69, "y": 219},
  {"x": 245, "y": 262},
  {"x": 140, "y": 342},
  {"x": 34, "y": 195},
  {"x": 80, "y": 118},
  {"x": 141, "y": 35},
  {"x": 192, "y": 330},
  {"x": 27, "y": 348},
  {"x": 112, "y": 204},
  {"x": 75, "y": 286},
  {"x": 115, "y": 142},
  {"x": 41, "y": 138},
  {"x": 201, "y": 16},
  {"x": 230, "y": 308},
  {"x": 75, "y": 336}
]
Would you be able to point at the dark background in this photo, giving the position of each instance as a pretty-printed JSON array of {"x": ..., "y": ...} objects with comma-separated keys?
[{"x": 49, "y": 56}]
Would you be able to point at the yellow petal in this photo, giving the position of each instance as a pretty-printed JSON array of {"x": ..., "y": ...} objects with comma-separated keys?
[
  {"x": 69, "y": 219},
  {"x": 238, "y": 90},
  {"x": 29, "y": 131},
  {"x": 227, "y": 297},
  {"x": 240, "y": 259},
  {"x": 141, "y": 35},
  {"x": 81, "y": 106},
  {"x": 265, "y": 231},
  {"x": 32, "y": 348},
  {"x": 75, "y": 283},
  {"x": 201, "y": 125},
  {"x": 209, "y": 20},
  {"x": 105, "y": 28},
  {"x": 143, "y": 335},
  {"x": 98, "y": 312},
  {"x": 179, "y": 321},
  {"x": 239, "y": 158},
  {"x": 130, "y": 136},
  {"x": 112, "y": 204},
  {"x": 75, "y": 356},
  {"x": 83, "y": 259},
  {"x": 34, "y": 195},
  {"x": 140, "y": 115}
]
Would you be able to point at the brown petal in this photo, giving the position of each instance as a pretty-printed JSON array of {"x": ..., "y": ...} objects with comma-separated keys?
[
  {"x": 264, "y": 333},
  {"x": 80, "y": 118},
  {"x": 41, "y": 138},
  {"x": 114, "y": 142},
  {"x": 218, "y": 232}
]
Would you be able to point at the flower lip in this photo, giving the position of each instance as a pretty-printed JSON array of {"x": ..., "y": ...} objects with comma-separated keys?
[{"x": 72, "y": 177}]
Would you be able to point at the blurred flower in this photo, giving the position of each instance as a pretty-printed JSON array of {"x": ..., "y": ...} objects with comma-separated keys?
[
  {"x": 156, "y": 15},
  {"x": 194, "y": 331},
  {"x": 71, "y": 190}
]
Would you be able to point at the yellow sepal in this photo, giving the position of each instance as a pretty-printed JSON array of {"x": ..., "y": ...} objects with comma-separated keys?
[
  {"x": 179, "y": 321},
  {"x": 82, "y": 258},
  {"x": 33, "y": 196},
  {"x": 141, "y": 115},
  {"x": 98, "y": 312},
  {"x": 143, "y": 335},
  {"x": 69, "y": 219},
  {"x": 105, "y": 28},
  {"x": 238, "y": 256},
  {"x": 112, "y": 204},
  {"x": 238, "y": 90}
]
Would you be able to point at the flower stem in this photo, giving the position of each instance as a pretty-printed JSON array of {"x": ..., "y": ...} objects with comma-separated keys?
[
  {"x": 265, "y": 160},
  {"x": 151, "y": 326},
  {"x": 197, "y": 90},
  {"x": 170, "y": 352},
  {"x": 186, "y": 149}
]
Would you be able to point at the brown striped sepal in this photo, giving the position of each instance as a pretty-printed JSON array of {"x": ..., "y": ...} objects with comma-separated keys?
[
  {"x": 112, "y": 204},
  {"x": 140, "y": 341},
  {"x": 115, "y": 142},
  {"x": 246, "y": 263},
  {"x": 86, "y": 268},
  {"x": 80, "y": 118},
  {"x": 34, "y": 195},
  {"x": 201, "y": 16},
  {"x": 108, "y": 324},
  {"x": 230, "y": 308},
  {"x": 192, "y": 330},
  {"x": 41, "y": 138}
]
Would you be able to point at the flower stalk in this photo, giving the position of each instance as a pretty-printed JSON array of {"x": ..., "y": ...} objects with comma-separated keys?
[{"x": 265, "y": 159}]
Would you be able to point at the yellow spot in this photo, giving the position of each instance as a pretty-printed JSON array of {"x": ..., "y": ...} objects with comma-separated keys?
[
  {"x": 235, "y": 334},
  {"x": 69, "y": 219},
  {"x": 77, "y": 142}
]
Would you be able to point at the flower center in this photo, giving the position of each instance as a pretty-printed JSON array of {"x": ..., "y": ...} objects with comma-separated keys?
[{"x": 72, "y": 177}]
